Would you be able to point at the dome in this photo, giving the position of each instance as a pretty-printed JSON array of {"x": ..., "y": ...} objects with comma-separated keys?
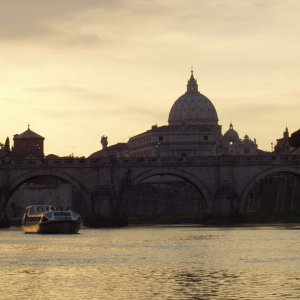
[
  {"x": 231, "y": 135},
  {"x": 193, "y": 107}
]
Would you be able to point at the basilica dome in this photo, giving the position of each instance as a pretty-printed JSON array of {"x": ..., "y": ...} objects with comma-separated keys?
[
  {"x": 231, "y": 135},
  {"x": 193, "y": 107}
]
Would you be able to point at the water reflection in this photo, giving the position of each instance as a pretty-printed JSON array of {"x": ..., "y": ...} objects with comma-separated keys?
[
  {"x": 207, "y": 285},
  {"x": 152, "y": 263}
]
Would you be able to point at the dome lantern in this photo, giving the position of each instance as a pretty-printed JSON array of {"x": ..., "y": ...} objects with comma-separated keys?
[{"x": 192, "y": 86}]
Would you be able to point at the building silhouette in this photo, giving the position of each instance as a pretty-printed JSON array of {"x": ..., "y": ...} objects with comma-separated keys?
[
  {"x": 28, "y": 145},
  {"x": 192, "y": 130}
]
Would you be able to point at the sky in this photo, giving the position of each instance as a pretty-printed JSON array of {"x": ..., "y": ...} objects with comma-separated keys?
[{"x": 79, "y": 69}]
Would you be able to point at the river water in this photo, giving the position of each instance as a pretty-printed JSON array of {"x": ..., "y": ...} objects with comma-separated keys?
[{"x": 152, "y": 263}]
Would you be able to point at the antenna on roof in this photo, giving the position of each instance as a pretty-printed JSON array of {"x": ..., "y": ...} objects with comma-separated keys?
[{"x": 28, "y": 125}]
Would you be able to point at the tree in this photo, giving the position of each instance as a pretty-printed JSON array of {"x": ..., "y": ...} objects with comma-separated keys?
[
  {"x": 295, "y": 139},
  {"x": 7, "y": 145}
]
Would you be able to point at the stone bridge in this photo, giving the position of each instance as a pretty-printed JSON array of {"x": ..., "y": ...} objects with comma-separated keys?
[{"x": 224, "y": 182}]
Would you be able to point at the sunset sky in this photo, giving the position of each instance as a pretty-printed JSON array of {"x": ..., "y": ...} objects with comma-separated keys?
[{"x": 79, "y": 69}]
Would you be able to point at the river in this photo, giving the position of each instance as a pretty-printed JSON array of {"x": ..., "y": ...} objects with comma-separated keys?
[{"x": 152, "y": 263}]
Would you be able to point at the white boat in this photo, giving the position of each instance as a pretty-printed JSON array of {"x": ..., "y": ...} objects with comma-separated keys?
[{"x": 48, "y": 219}]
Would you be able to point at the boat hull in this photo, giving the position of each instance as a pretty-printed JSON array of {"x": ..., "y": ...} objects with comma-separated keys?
[{"x": 54, "y": 227}]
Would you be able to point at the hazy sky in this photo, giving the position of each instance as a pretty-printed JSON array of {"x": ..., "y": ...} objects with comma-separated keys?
[{"x": 78, "y": 69}]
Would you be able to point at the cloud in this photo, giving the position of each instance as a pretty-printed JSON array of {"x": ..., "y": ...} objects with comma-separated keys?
[
  {"x": 35, "y": 19},
  {"x": 121, "y": 27},
  {"x": 56, "y": 88},
  {"x": 78, "y": 101},
  {"x": 127, "y": 112},
  {"x": 262, "y": 108},
  {"x": 87, "y": 40},
  {"x": 72, "y": 94}
]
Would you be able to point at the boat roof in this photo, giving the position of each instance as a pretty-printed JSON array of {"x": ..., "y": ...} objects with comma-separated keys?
[
  {"x": 39, "y": 209},
  {"x": 40, "y": 206}
]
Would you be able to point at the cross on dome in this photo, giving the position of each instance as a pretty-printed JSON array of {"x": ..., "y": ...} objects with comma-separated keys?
[{"x": 192, "y": 86}]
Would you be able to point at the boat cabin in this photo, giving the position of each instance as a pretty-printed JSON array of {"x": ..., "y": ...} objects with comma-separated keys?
[{"x": 38, "y": 209}]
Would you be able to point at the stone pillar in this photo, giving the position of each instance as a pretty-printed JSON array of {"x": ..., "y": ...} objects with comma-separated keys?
[
  {"x": 226, "y": 197},
  {"x": 4, "y": 222}
]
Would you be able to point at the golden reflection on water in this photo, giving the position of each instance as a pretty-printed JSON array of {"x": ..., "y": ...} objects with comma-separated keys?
[{"x": 152, "y": 263}]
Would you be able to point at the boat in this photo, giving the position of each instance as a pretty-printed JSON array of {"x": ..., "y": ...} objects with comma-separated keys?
[{"x": 48, "y": 219}]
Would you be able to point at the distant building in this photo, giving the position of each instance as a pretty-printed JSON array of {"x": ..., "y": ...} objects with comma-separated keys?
[
  {"x": 192, "y": 130},
  {"x": 233, "y": 145},
  {"x": 283, "y": 146},
  {"x": 28, "y": 145},
  {"x": 113, "y": 151}
]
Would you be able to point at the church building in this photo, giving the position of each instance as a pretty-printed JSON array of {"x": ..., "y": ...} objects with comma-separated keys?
[
  {"x": 28, "y": 145},
  {"x": 192, "y": 130}
]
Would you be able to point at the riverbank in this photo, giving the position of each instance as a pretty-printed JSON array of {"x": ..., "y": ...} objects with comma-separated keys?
[{"x": 219, "y": 220}]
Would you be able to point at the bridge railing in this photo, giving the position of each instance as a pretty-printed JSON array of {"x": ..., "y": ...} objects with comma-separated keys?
[{"x": 141, "y": 161}]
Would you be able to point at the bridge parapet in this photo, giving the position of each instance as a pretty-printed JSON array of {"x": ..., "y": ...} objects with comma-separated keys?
[
  {"x": 261, "y": 160},
  {"x": 153, "y": 161}
]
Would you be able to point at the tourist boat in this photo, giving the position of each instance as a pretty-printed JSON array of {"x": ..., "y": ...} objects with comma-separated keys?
[{"x": 48, "y": 219}]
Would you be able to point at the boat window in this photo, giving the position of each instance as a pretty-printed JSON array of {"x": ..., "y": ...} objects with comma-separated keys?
[
  {"x": 32, "y": 210},
  {"x": 62, "y": 213}
]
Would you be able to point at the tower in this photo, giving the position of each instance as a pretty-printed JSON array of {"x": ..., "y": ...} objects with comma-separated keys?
[{"x": 28, "y": 145}]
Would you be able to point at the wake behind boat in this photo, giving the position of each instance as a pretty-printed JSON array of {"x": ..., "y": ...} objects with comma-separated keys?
[{"x": 47, "y": 219}]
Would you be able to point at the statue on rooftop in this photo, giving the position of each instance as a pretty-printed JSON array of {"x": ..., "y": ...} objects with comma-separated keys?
[{"x": 104, "y": 142}]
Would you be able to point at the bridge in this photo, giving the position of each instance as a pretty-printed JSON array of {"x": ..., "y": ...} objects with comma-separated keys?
[{"x": 224, "y": 182}]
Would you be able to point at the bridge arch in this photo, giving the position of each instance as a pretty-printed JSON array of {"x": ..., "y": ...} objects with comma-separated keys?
[
  {"x": 187, "y": 176},
  {"x": 79, "y": 187},
  {"x": 254, "y": 179}
]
